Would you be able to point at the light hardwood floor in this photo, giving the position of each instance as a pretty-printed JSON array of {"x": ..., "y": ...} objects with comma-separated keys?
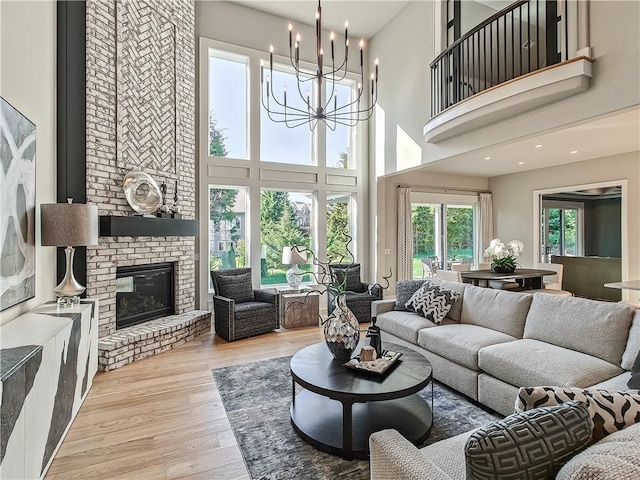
[{"x": 162, "y": 417}]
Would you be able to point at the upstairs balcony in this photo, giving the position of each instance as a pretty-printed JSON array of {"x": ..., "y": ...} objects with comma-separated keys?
[{"x": 522, "y": 57}]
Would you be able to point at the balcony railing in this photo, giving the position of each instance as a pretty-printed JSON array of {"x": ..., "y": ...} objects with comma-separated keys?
[{"x": 522, "y": 38}]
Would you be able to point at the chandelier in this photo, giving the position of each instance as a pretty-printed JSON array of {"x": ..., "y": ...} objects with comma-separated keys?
[{"x": 312, "y": 111}]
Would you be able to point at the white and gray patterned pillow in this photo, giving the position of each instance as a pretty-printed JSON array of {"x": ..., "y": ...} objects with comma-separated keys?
[
  {"x": 610, "y": 411},
  {"x": 432, "y": 302},
  {"x": 528, "y": 445}
]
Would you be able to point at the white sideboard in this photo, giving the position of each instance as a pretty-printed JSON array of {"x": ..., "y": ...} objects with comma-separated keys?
[{"x": 48, "y": 358}]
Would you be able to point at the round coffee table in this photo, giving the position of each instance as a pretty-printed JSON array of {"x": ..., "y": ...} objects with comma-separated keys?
[{"x": 340, "y": 408}]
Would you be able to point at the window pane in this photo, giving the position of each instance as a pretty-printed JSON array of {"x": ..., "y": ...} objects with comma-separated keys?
[
  {"x": 228, "y": 131},
  {"x": 285, "y": 220},
  {"x": 570, "y": 231},
  {"x": 460, "y": 234},
  {"x": 555, "y": 231},
  {"x": 273, "y": 135},
  {"x": 339, "y": 151},
  {"x": 340, "y": 231},
  {"x": 424, "y": 222},
  {"x": 227, "y": 228}
]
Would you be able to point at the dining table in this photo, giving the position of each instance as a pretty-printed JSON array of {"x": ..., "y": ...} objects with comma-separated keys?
[{"x": 528, "y": 278}]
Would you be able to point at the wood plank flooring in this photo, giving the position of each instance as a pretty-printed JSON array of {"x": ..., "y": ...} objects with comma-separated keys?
[{"x": 162, "y": 417}]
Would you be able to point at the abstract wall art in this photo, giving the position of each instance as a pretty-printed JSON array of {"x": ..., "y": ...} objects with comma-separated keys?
[{"x": 17, "y": 206}]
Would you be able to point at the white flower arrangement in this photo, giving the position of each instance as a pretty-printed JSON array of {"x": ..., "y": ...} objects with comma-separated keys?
[{"x": 504, "y": 255}]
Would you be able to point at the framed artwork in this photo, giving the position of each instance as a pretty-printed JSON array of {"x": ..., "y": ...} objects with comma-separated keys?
[{"x": 17, "y": 207}]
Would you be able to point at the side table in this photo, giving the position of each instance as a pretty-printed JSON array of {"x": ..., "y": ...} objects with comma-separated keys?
[{"x": 299, "y": 308}]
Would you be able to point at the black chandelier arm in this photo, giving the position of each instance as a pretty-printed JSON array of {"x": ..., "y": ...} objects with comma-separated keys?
[{"x": 283, "y": 105}]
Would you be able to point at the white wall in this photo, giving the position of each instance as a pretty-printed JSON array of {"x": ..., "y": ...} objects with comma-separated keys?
[
  {"x": 28, "y": 82},
  {"x": 513, "y": 200}
]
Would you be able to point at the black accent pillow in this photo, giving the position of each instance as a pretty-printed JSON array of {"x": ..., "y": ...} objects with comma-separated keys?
[
  {"x": 404, "y": 291},
  {"x": 528, "y": 445},
  {"x": 634, "y": 381},
  {"x": 352, "y": 274},
  {"x": 236, "y": 287}
]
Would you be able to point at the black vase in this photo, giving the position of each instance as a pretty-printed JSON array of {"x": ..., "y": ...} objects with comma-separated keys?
[{"x": 502, "y": 269}]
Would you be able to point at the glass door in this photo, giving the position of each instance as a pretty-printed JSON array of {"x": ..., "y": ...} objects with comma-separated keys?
[{"x": 561, "y": 224}]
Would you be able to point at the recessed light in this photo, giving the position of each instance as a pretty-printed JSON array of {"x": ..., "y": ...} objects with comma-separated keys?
[
  {"x": 573, "y": 151},
  {"x": 539, "y": 145},
  {"x": 520, "y": 163},
  {"x": 487, "y": 158}
]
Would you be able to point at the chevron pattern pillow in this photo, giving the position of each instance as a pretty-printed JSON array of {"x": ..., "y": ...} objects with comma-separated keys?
[
  {"x": 432, "y": 302},
  {"x": 610, "y": 410},
  {"x": 528, "y": 445}
]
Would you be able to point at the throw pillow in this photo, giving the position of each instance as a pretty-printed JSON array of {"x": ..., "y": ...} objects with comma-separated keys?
[
  {"x": 634, "y": 381},
  {"x": 404, "y": 290},
  {"x": 610, "y": 410},
  {"x": 236, "y": 287},
  {"x": 528, "y": 445},
  {"x": 348, "y": 277},
  {"x": 614, "y": 457},
  {"x": 432, "y": 302}
]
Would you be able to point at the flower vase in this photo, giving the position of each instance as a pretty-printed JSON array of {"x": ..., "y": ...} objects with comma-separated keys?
[
  {"x": 342, "y": 331},
  {"x": 502, "y": 269}
]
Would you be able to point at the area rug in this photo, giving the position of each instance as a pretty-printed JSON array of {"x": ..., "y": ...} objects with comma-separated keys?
[{"x": 257, "y": 396}]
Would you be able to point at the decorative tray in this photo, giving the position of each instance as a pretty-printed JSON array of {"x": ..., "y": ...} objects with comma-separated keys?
[{"x": 379, "y": 366}]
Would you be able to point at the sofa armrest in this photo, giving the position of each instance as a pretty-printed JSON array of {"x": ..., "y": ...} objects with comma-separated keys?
[
  {"x": 393, "y": 457},
  {"x": 381, "y": 306}
]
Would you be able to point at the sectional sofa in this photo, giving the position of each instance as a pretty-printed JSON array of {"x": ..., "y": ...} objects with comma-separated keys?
[{"x": 492, "y": 341}]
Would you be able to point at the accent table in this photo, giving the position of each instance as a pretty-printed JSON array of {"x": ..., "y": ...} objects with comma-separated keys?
[
  {"x": 298, "y": 308},
  {"x": 340, "y": 408}
]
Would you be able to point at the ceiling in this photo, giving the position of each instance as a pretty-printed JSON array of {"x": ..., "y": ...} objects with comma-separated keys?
[
  {"x": 366, "y": 17},
  {"x": 605, "y": 136}
]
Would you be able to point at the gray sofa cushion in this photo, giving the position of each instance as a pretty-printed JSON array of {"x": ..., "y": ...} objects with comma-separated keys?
[
  {"x": 404, "y": 290},
  {"x": 405, "y": 325},
  {"x": 529, "y": 445},
  {"x": 531, "y": 362},
  {"x": 633, "y": 343},
  {"x": 596, "y": 328},
  {"x": 615, "y": 383},
  {"x": 460, "y": 343},
  {"x": 615, "y": 457},
  {"x": 495, "y": 309}
]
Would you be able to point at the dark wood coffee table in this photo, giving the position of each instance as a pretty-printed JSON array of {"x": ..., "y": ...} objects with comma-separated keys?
[{"x": 340, "y": 408}]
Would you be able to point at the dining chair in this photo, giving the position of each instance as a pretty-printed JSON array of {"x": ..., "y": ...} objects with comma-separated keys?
[
  {"x": 450, "y": 275},
  {"x": 461, "y": 267},
  {"x": 552, "y": 282}
]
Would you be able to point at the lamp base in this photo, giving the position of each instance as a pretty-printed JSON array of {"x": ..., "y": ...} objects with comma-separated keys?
[
  {"x": 294, "y": 276},
  {"x": 69, "y": 288}
]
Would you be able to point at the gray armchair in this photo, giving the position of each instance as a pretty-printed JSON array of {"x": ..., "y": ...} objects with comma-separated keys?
[
  {"x": 239, "y": 310},
  {"x": 359, "y": 295}
]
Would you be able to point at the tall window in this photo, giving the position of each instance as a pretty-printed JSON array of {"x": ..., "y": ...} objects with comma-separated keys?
[
  {"x": 285, "y": 220},
  {"x": 228, "y": 112},
  {"x": 227, "y": 227},
  {"x": 285, "y": 172},
  {"x": 341, "y": 245}
]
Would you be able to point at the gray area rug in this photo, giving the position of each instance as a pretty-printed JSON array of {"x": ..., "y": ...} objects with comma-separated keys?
[{"x": 257, "y": 396}]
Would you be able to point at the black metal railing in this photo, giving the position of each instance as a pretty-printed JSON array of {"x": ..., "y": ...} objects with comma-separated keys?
[{"x": 524, "y": 37}]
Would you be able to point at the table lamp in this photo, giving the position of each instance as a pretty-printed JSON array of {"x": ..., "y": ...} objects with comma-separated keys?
[
  {"x": 69, "y": 225},
  {"x": 293, "y": 256}
]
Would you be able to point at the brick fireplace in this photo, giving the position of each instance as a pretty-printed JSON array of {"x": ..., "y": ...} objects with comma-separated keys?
[{"x": 141, "y": 122}]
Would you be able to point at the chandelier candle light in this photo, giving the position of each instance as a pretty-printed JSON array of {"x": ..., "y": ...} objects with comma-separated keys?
[{"x": 329, "y": 112}]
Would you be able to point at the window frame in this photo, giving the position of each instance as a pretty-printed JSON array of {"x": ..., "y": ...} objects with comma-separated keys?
[{"x": 255, "y": 175}]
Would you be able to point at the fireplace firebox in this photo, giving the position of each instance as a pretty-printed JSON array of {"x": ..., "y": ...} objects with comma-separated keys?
[{"x": 143, "y": 293}]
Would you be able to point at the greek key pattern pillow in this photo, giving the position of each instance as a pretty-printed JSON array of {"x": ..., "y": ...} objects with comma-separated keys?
[
  {"x": 528, "y": 445},
  {"x": 432, "y": 302},
  {"x": 610, "y": 411}
]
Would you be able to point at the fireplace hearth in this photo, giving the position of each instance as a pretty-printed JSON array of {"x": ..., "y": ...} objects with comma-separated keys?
[{"x": 143, "y": 293}]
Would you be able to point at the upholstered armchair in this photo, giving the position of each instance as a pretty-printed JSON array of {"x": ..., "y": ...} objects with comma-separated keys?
[
  {"x": 239, "y": 310},
  {"x": 345, "y": 277}
]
